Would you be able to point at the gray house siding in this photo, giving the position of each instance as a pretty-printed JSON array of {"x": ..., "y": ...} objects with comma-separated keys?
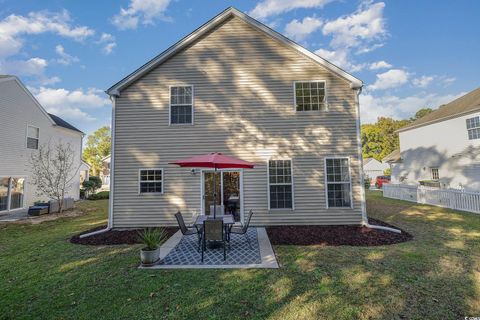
[{"x": 244, "y": 107}]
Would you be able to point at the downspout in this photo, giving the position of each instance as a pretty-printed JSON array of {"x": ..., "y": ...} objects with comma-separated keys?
[
  {"x": 109, "y": 227},
  {"x": 362, "y": 180}
]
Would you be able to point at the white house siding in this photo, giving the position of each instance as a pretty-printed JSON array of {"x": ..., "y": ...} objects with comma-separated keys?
[
  {"x": 443, "y": 145},
  {"x": 17, "y": 111},
  {"x": 243, "y": 102}
]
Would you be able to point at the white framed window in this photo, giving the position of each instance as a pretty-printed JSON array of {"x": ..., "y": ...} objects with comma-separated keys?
[
  {"x": 338, "y": 182},
  {"x": 150, "y": 181},
  {"x": 473, "y": 128},
  {"x": 33, "y": 135},
  {"x": 181, "y": 104},
  {"x": 310, "y": 95},
  {"x": 435, "y": 175},
  {"x": 280, "y": 184}
]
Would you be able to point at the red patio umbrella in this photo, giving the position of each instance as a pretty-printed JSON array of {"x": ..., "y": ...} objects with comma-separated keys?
[{"x": 214, "y": 160}]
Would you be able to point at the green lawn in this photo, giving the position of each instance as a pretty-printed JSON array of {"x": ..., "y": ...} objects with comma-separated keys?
[{"x": 435, "y": 276}]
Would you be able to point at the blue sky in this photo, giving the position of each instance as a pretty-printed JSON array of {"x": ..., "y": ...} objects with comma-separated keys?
[{"x": 410, "y": 54}]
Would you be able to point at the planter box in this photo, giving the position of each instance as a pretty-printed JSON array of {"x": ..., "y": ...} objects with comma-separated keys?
[{"x": 37, "y": 210}]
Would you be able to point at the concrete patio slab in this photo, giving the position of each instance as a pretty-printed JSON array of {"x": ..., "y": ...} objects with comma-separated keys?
[{"x": 267, "y": 255}]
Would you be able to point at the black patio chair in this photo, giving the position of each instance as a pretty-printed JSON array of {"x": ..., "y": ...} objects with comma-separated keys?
[
  {"x": 213, "y": 230},
  {"x": 189, "y": 231},
  {"x": 243, "y": 230}
]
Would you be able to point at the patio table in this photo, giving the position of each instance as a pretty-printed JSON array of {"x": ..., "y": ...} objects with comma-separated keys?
[{"x": 228, "y": 222}]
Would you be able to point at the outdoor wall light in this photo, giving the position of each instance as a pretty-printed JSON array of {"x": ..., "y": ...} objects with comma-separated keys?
[{"x": 193, "y": 172}]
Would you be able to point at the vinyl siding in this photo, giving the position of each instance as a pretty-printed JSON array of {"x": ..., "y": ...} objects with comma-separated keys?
[
  {"x": 244, "y": 107},
  {"x": 17, "y": 110}
]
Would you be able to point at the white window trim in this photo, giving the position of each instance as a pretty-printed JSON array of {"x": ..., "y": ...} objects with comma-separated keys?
[
  {"x": 292, "y": 184},
  {"x": 326, "y": 181},
  {"x": 295, "y": 95},
  {"x": 26, "y": 136},
  {"x": 431, "y": 173},
  {"x": 151, "y": 193},
  {"x": 170, "y": 105},
  {"x": 471, "y": 129}
]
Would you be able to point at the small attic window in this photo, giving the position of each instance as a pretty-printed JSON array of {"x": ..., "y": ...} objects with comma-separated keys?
[
  {"x": 310, "y": 95},
  {"x": 33, "y": 135}
]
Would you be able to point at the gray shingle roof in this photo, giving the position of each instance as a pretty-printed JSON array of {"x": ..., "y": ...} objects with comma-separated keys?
[
  {"x": 62, "y": 123},
  {"x": 463, "y": 105}
]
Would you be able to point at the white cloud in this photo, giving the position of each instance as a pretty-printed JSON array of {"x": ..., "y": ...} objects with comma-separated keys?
[
  {"x": 58, "y": 98},
  {"x": 267, "y": 8},
  {"x": 14, "y": 26},
  {"x": 359, "y": 31},
  {"x": 340, "y": 58},
  {"x": 365, "y": 25},
  {"x": 423, "y": 81},
  {"x": 379, "y": 65},
  {"x": 108, "y": 42},
  {"x": 448, "y": 80},
  {"x": 70, "y": 113},
  {"x": 390, "y": 79},
  {"x": 299, "y": 30},
  {"x": 30, "y": 67},
  {"x": 141, "y": 11},
  {"x": 70, "y": 104},
  {"x": 64, "y": 58},
  {"x": 372, "y": 106},
  {"x": 108, "y": 48}
]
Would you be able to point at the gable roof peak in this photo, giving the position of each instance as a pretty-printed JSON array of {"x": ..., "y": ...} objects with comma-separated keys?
[{"x": 115, "y": 90}]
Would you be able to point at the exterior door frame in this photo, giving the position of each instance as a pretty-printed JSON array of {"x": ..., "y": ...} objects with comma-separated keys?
[
  {"x": 9, "y": 193},
  {"x": 202, "y": 189}
]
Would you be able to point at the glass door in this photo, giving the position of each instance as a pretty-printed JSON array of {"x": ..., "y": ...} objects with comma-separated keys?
[
  {"x": 228, "y": 193},
  {"x": 4, "y": 183},
  {"x": 208, "y": 191},
  {"x": 17, "y": 193}
]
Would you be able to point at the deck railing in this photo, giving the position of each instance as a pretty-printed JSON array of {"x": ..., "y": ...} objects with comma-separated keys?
[{"x": 448, "y": 198}]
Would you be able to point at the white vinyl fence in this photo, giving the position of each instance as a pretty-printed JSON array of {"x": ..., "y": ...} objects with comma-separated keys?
[{"x": 448, "y": 198}]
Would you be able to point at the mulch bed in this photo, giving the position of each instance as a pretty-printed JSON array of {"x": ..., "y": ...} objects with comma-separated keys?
[
  {"x": 114, "y": 236},
  {"x": 336, "y": 235}
]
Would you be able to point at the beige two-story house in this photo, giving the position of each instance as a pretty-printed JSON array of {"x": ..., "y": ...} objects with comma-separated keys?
[{"x": 237, "y": 87}]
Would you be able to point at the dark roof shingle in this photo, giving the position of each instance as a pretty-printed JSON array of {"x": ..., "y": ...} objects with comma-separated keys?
[{"x": 62, "y": 123}]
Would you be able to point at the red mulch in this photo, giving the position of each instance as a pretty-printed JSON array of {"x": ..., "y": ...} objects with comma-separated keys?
[
  {"x": 336, "y": 235},
  {"x": 114, "y": 236}
]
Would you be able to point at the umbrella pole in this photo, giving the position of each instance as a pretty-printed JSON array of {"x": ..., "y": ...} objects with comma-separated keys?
[{"x": 215, "y": 193}]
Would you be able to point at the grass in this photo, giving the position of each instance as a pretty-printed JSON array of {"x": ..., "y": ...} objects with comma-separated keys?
[{"x": 435, "y": 276}]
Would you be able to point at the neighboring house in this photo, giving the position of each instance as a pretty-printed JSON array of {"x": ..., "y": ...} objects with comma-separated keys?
[
  {"x": 372, "y": 168},
  {"x": 24, "y": 127},
  {"x": 236, "y": 86},
  {"x": 105, "y": 173},
  {"x": 443, "y": 147}
]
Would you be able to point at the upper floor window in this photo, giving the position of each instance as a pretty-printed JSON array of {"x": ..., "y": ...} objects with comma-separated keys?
[
  {"x": 310, "y": 95},
  {"x": 435, "y": 175},
  {"x": 473, "y": 128},
  {"x": 337, "y": 172},
  {"x": 181, "y": 105},
  {"x": 150, "y": 181},
  {"x": 280, "y": 184},
  {"x": 33, "y": 135}
]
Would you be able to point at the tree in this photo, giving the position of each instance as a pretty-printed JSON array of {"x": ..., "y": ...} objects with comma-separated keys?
[
  {"x": 379, "y": 139},
  {"x": 97, "y": 147},
  {"x": 92, "y": 184},
  {"x": 422, "y": 113},
  {"x": 53, "y": 171}
]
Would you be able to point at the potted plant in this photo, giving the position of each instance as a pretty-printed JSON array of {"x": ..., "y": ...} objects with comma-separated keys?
[{"x": 151, "y": 238}]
